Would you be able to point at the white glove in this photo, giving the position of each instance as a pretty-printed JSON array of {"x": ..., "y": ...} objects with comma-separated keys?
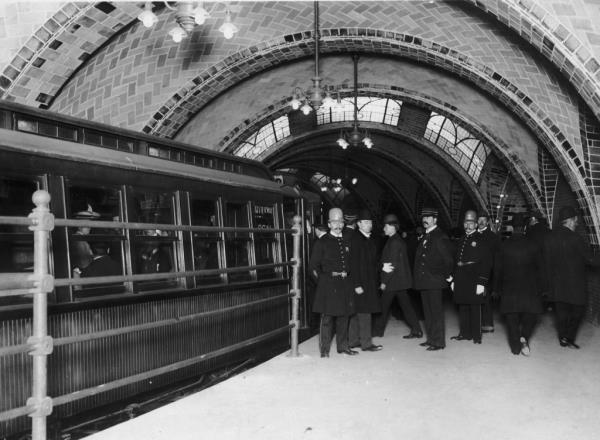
[
  {"x": 479, "y": 289},
  {"x": 382, "y": 286},
  {"x": 450, "y": 278},
  {"x": 387, "y": 267},
  {"x": 452, "y": 286},
  {"x": 359, "y": 290}
]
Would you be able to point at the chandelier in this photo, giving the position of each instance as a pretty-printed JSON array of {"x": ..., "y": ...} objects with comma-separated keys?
[
  {"x": 187, "y": 16},
  {"x": 355, "y": 137},
  {"x": 315, "y": 96}
]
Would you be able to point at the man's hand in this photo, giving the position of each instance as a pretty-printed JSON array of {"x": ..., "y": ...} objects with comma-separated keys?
[
  {"x": 479, "y": 289},
  {"x": 387, "y": 267},
  {"x": 359, "y": 290},
  {"x": 452, "y": 286},
  {"x": 382, "y": 286}
]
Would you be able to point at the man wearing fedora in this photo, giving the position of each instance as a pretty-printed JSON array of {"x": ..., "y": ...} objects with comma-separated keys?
[
  {"x": 519, "y": 282},
  {"x": 567, "y": 254},
  {"x": 396, "y": 279},
  {"x": 433, "y": 265},
  {"x": 334, "y": 297},
  {"x": 363, "y": 267},
  {"x": 470, "y": 279}
]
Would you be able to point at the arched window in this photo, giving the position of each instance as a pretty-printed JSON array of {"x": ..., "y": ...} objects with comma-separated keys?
[
  {"x": 371, "y": 109},
  {"x": 262, "y": 139}
]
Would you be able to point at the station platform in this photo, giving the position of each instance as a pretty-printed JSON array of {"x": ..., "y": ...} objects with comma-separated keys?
[{"x": 465, "y": 392}]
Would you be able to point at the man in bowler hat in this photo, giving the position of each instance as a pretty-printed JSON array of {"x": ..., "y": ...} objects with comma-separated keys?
[
  {"x": 433, "y": 266},
  {"x": 334, "y": 297},
  {"x": 396, "y": 279},
  {"x": 567, "y": 254},
  {"x": 363, "y": 267}
]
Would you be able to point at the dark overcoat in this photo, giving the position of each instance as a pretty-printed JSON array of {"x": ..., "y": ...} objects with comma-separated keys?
[
  {"x": 335, "y": 294},
  {"x": 395, "y": 252},
  {"x": 491, "y": 239},
  {"x": 473, "y": 265},
  {"x": 363, "y": 267},
  {"x": 433, "y": 261},
  {"x": 566, "y": 255},
  {"x": 518, "y": 275}
]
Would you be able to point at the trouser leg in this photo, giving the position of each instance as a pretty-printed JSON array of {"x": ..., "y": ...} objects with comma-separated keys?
[
  {"x": 512, "y": 324},
  {"x": 325, "y": 333},
  {"x": 576, "y": 314},
  {"x": 487, "y": 312},
  {"x": 425, "y": 300},
  {"x": 382, "y": 319},
  {"x": 438, "y": 327},
  {"x": 562, "y": 318},
  {"x": 464, "y": 321},
  {"x": 364, "y": 329},
  {"x": 341, "y": 332},
  {"x": 408, "y": 311},
  {"x": 354, "y": 331},
  {"x": 528, "y": 322},
  {"x": 475, "y": 321}
]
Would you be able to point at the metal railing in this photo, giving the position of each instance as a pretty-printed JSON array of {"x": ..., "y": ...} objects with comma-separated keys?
[{"x": 40, "y": 283}]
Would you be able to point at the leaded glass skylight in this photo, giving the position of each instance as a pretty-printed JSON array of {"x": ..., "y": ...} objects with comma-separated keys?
[{"x": 261, "y": 140}]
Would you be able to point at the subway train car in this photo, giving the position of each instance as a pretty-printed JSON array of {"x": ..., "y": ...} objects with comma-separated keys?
[{"x": 125, "y": 338}]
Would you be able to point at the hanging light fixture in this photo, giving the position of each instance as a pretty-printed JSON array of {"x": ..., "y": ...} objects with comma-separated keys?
[
  {"x": 315, "y": 96},
  {"x": 187, "y": 15},
  {"x": 355, "y": 137}
]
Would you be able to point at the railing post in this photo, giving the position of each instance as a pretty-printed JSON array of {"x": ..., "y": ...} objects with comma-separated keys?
[
  {"x": 40, "y": 342},
  {"x": 297, "y": 227}
]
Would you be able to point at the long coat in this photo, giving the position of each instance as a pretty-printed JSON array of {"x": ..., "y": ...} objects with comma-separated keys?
[
  {"x": 518, "y": 276},
  {"x": 473, "y": 266},
  {"x": 363, "y": 267},
  {"x": 433, "y": 261},
  {"x": 335, "y": 294},
  {"x": 395, "y": 252},
  {"x": 566, "y": 255}
]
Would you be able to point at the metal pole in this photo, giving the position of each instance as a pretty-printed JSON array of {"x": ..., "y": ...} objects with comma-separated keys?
[
  {"x": 40, "y": 342},
  {"x": 296, "y": 285}
]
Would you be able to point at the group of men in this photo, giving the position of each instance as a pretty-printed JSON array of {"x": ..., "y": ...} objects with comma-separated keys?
[{"x": 356, "y": 286}]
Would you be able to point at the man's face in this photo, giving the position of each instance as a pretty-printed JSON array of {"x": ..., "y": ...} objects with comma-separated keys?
[
  {"x": 482, "y": 222},
  {"x": 389, "y": 230},
  {"x": 336, "y": 225},
  {"x": 365, "y": 226},
  {"x": 470, "y": 226},
  {"x": 429, "y": 221}
]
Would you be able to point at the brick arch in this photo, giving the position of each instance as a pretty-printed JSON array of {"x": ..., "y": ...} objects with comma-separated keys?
[{"x": 512, "y": 162}]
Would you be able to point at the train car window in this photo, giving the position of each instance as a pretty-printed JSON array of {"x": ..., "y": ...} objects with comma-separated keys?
[
  {"x": 153, "y": 250},
  {"x": 237, "y": 244},
  {"x": 49, "y": 129},
  {"x": 265, "y": 244},
  {"x": 16, "y": 242},
  {"x": 126, "y": 144},
  {"x": 95, "y": 252},
  {"x": 206, "y": 248},
  {"x": 68, "y": 133}
]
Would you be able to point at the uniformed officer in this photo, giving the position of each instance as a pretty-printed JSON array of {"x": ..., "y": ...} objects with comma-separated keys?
[
  {"x": 433, "y": 265},
  {"x": 471, "y": 274},
  {"x": 334, "y": 297},
  {"x": 492, "y": 240}
]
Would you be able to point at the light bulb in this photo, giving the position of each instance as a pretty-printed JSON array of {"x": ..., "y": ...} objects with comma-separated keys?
[
  {"x": 228, "y": 28},
  {"x": 354, "y": 180},
  {"x": 147, "y": 17},
  {"x": 323, "y": 188},
  {"x": 306, "y": 109},
  {"x": 200, "y": 15},
  {"x": 177, "y": 34},
  {"x": 295, "y": 102}
]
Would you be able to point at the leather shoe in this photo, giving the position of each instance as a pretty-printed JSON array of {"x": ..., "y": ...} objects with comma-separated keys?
[
  {"x": 425, "y": 344},
  {"x": 324, "y": 355},
  {"x": 572, "y": 344},
  {"x": 459, "y": 338},
  {"x": 563, "y": 342},
  {"x": 373, "y": 348},
  {"x": 349, "y": 352},
  {"x": 487, "y": 329},
  {"x": 413, "y": 335},
  {"x": 434, "y": 348},
  {"x": 476, "y": 342}
]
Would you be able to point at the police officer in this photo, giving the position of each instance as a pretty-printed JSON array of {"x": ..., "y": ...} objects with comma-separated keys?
[
  {"x": 334, "y": 297},
  {"x": 433, "y": 265},
  {"x": 471, "y": 274}
]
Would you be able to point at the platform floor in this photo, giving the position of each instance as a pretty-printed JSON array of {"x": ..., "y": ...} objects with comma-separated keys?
[{"x": 465, "y": 392}]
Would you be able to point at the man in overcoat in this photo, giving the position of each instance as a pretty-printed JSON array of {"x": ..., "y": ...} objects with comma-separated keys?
[
  {"x": 519, "y": 281},
  {"x": 492, "y": 240},
  {"x": 433, "y": 266},
  {"x": 567, "y": 254},
  {"x": 334, "y": 296},
  {"x": 396, "y": 279},
  {"x": 473, "y": 262},
  {"x": 363, "y": 267}
]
